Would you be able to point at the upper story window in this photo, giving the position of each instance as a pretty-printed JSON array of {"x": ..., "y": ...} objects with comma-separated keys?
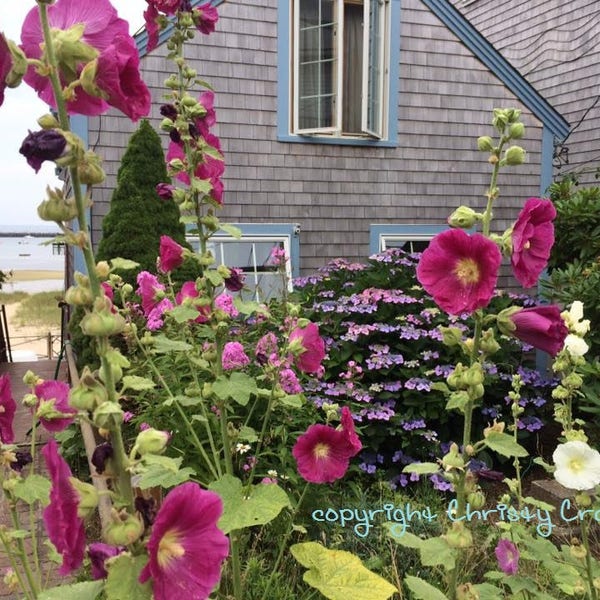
[{"x": 339, "y": 73}]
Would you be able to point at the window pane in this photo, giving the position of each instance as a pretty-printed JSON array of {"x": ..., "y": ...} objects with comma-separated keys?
[
  {"x": 352, "y": 70},
  {"x": 374, "y": 75},
  {"x": 316, "y": 76}
]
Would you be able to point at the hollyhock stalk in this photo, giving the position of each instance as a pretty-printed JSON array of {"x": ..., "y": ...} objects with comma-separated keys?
[{"x": 120, "y": 456}]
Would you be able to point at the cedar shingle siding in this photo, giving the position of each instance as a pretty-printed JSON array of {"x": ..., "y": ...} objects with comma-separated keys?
[
  {"x": 335, "y": 192},
  {"x": 556, "y": 45}
]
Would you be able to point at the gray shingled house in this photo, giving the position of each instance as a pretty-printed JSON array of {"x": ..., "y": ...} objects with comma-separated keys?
[
  {"x": 315, "y": 164},
  {"x": 556, "y": 46}
]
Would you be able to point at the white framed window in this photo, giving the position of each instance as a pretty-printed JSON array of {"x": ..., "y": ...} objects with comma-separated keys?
[
  {"x": 252, "y": 253},
  {"x": 410, "y": 238},
  {"x": 340, "y": 52}
]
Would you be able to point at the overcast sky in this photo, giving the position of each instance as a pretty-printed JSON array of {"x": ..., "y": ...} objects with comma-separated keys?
[{"x": 22, "y": 189}]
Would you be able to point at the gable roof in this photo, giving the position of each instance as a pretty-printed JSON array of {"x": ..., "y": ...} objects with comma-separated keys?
[{"x": 483, "y": 50}]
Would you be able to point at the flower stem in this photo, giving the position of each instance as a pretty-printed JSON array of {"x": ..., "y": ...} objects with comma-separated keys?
[
  {"x": 21, "y": 545},
  {"x": 13, "y": 564},
  {"x": 588, "y": 559}
]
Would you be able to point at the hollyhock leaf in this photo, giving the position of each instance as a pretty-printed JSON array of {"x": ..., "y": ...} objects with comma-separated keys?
[
  {"x": 135, "y": 382},
  {"x": 292, "y": 400},
  {"x": 184, "y": 400},
  {"x": 163, "y": 471},
  {"x": 487, "y": 591},
  {"x": 34, "y": 488},
  {"x": 84, "y": 590},
  {"x": 504, "y": 444},
  {"x": 520, "y": 584},
  {"x": 424, "y": 468},
  {"x": 232, "y": 230},
  {"x": 340, "y": 575},
  {"x": 122, "y": 581},
  {"x": 436, "y": 551},
  {"x": 163, "y": 345},
  {"x": 245, "y": 508},
  {"x": 247, "y": 434},
  {"x": 237, "y": 386},
  {"x": 123, "y": 264},
  {"x": 183, "y": 314},
  {"x": 422, "y": 590},
  {"x": 214, "y": 277}
]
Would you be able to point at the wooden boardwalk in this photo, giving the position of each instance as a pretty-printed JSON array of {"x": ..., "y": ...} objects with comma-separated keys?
[{"x": 46, "y": 369}]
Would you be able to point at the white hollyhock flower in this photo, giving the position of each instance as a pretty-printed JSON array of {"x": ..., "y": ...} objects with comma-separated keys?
[
  {"x": 577, "y": 466},
  {"x": 574, "y": 319},
  {"x": 575, "y": 345}
]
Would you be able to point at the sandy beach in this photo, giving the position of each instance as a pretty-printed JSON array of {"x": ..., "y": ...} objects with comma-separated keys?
[{"x": 25, "y": 341}]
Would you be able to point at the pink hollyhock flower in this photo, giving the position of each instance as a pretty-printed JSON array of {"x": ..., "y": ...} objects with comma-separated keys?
[
  {"x": 188, "y": 290},
  {"x": 118, "y": 78},
  {"x": 102, "y": 27},
  {"x": 309, "y": 360},
  {"x": 6, "y": 62},
  {"x": 155, "y": 316},
  {"x": 289, "y": 382},
  {"x": 266, "y": 347},
  {"x": 186, "y": 547},
  {"x": 532, "y": 240},
  {"x": 8, "y": 407},
  {"x": 167, "y": 7},
  {"x": 170, "y": 254},
  {"x": 322, "y": 454},
  {"x": 224, "y": 302},
  {"x": 542, "y": 327},
  {"x": 148, "y": 288},
  {"x": 508, "y": 557},
  {"x": 98, "y": 553},
  {"x": 459, "y": 270},
  {"x": 53, "y": 409},
  {"x": 234, "y": 356},
  {"x": 152, "y": 27},
  {"x": 205, "y": 18},
  {"x": 352, "y": 438},
  {"x": 65, "y": 529}
]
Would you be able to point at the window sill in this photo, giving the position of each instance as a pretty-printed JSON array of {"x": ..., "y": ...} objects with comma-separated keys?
[{"x": 339, "y": 141}]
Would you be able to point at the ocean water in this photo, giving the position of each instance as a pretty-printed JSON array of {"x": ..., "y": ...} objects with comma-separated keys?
[{"x": 27, "y": 253}]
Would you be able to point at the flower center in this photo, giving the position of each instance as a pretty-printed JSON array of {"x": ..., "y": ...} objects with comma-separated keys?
[
  {"x": 467, "y": 271},
  {"x": 168, "y": 549},
  {"x": 321, "y": 451},
  {"x": 576, "y": 465}
]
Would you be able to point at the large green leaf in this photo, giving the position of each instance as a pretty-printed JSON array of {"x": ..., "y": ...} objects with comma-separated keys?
[
  {"x": 85, "y": 590},
  {"x": 422, "y": 468},
  {"x": 422, "y": 590},
  {"x": 243, "y": 507},
  {"x": 504, "y": 444},
  {"x": 340, "y": 575},
  {"x": 134, "y": 382},
  {"x": 124, "y": 264},
  {"x": 436, "y": 551},
  {"x": 183, "y": 314},
  {"x": 237, "y": 386},
  {"x": 33, "y": 488},
  {"x": 122, "y": 582},
  {"x": 163, "y": 471},
  {"x": 162, "y": 345}
]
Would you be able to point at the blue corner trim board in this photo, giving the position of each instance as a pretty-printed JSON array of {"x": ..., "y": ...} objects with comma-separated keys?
[
  {"x": 283, "y": 84},
  {"x": 492, "y": 59}
]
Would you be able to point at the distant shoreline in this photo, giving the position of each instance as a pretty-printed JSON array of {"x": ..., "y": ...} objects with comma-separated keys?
[
  {"x": 35, "y": 234},
  {"x": 33, "y": 275}
]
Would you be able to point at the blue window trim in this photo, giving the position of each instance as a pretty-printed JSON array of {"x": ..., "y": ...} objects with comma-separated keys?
[
  {"x": 283, "y": 84},
  {"x": 376, "y": 231},
  {"x": 269, "y": 230}
]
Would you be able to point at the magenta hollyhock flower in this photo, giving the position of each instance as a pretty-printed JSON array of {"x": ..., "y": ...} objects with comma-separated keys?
[
  {"x": 152, "y": 27},
  {"x": 170, "y": 254},
  {"x": 542, "y": 327},
  {"x": 98, "y": 553},
  {"x": 155, "y": 316},
  {"x": 186, "y": 548},
  {"x": 165, "y": 191},
  {"x": 322, "y": 454},
  {"x": 224, "y": 302},
  {"x": 309, "y": 360},
  {"x": 233, "y": 356},
  {"x": 148, "y": 288},
  {"x": 459, "y": 270},
  {"x": 205, "y": 18},
  {"x": 167, "y": 7},
  {"x": 53, "y": 409},
  {"x": 6, "y": 62},
  {"x": 103, "y": 29},
  {"x": 188, "y": 290},
  {"x": 39, "y": 146},
  {"x": 118, "y": 78},
  {"x": 532, "y": 240},
  {"x": 8, "y": 407},
  {"x": 350, "y": 433},
  {"x": 508, "y": 557},
  {"x": 64, "y": 527}
]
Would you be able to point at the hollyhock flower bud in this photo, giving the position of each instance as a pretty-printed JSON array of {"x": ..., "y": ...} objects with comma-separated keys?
[
  {"x": 151, "y": 441},
  {"x": 102, "y": 323},
  {"x": 89, "y": 394},
  {"x": 13, "y": 58},
  {"x": 464, "y": 217},
  {"x": 87, "y": 496},
  {"x": 56, "y": 207},
  {"x": 171, "y": 254},
  {"x": 90, "y": 170},
  {"x": 458, "y": 536},
  {"x": 79, "y": 295},
  {"x": 108, "y": 415},
  {"x": 485, "y": 143},
  {"x": 165, "y": 191},
  {"x": 514, "y": 155},
  {"x": 516, "y": 131},
  {"x": 124, "y": 529},
  {"x": 47, "y": 144}
]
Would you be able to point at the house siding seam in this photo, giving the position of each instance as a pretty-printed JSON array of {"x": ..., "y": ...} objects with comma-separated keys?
[{"x": 336, "y": 192}]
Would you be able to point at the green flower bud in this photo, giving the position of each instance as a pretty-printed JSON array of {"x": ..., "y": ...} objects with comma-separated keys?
[
  {"x": 458, "y": 536},
  {"x": 56, "y": 207},
  {"x": 109, "y": 416},
  {"x": 88, "y": 497},
  {"x": 485, "y": 143},
  {"x": 474, "y": 375},
  {"x": 78, "y": 295},
  {"x": 89, "y": 394},
  {"x": 102, "y": 323},
  {"x": 151, "y": 441},
  {"x": 560, "y": 393},
  {"x": 89, "y": 169},
  {"x": 466, "y": 591},
  {"x": 476, "y": 499},
  {"x": 48, "y": 121},
  {"x": 488, "y": 343},
  {"x": 476, "y": 391},
  {"x": 514, "y": 155},
  {"x": 453, "y": 460},
  {"x": 516, "y": 131},
  {"x": 464, "y": 217},
  {"x": 30, "y": 400},
  {"x": 573, "y": 380},
  {"x": 125, "y": 529},
  {"x": 18, "y": 67},
  {"x": 451, "y": 336}
]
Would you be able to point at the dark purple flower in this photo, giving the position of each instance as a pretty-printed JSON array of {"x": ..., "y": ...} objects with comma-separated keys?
[
  {"x": 101, "y": 455},
  {"x": 165, "y": 191},
  {"x": 236, "y": 279},
  {"x": 39, "y": 146},
  {"x": 23, "y": 458},
  {"x": 98, "y": 553},
  {"x": 169, "y": 111}
]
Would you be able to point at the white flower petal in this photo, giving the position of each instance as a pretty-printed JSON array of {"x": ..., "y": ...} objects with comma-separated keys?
[
  {"x": 575, "y": 345},
  {"x": 577, "y": 465}
]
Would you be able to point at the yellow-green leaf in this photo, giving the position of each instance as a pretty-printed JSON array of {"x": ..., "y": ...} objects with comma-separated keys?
[
  {"x": 340, "y": 575},
  {"x": 422, "y": 590}
]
